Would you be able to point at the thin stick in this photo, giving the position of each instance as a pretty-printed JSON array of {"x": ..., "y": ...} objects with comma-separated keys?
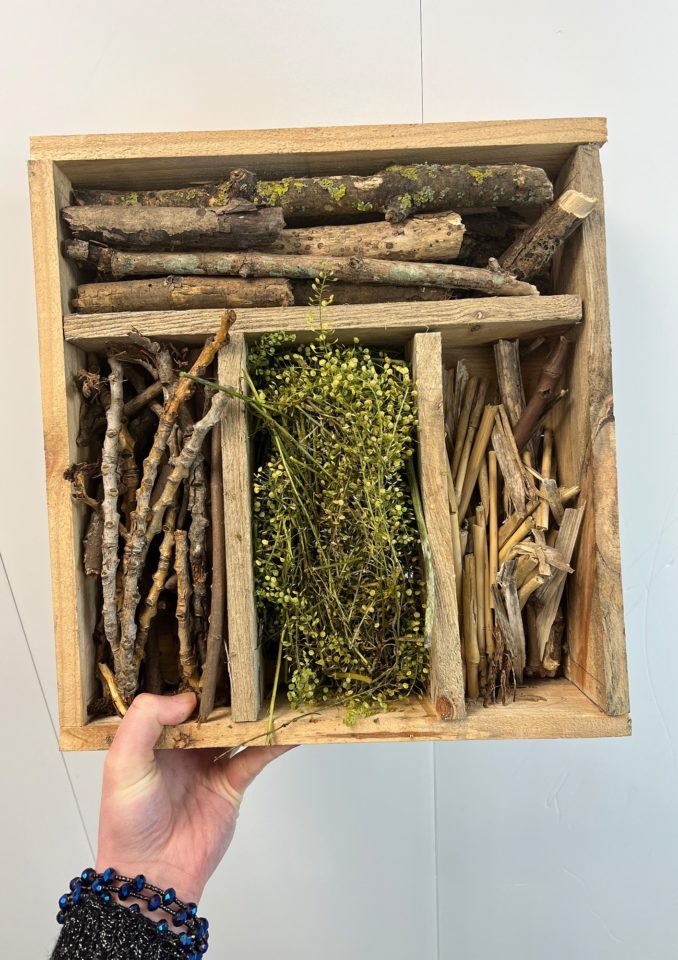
[
  {"x": 215, "y": 633},
  {"x": 110, "y": 477},
  {"x": 489, "y": 626},
  {"x": 107, "y": 676},
  {"x": 493, "y": 521},
  {"x": 521, "y": 533},
  {"x": 542, "y": 514},
  {"x": 462, "y": 422},
  {"x": 460, "y": 384},
  {"x": 470, "y": 630},
  {"x": 197, "y": 537},
  {"x": 544, "y": 394},
  {"x": 484, "y": 487},
  {"x": 188, "y": 666},
  {"x": 477, "y": 456},
  {"x": 474, "y": 421}
]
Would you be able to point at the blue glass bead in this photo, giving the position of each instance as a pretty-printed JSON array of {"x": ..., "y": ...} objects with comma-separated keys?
[
  {"x": 75, "y": 882},
  {"x": 163, "y": 926},
  {"x": 202, "y": 946},
  {"x": 61, "y": 917},
  {"x": 106, "y": 896},
  {"x": 154, "y": 902},
  {"x": 193, "y": 955},
  {"x": 139, "y": 882},
  {"x": 203, "y": 926},
  {"x": 77, "y": 893},
  {"x": 185, "y": 939},
  {"x": 169, "y": 896},
  {"x": 97, "y": 887},
  {"x": 192, "y": 909},
  {"x": 108, "y": 875},
  {"x": 124, "y": 890},
  {"x": 181, "y": 918},
  {"x": 87, "y": 876},
  {"x": 134, "y": 908},
  {"x": 63, "y": 901}
]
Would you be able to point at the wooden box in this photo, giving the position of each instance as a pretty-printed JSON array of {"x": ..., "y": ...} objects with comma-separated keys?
[{"x": 592, "y": 699}]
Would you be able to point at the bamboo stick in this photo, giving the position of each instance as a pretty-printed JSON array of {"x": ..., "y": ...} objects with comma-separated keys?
[
  {"x": 457, "y": 551},
  {"x": 484, "y": 487},
  {"x": 470, "y": 629},
  {"x": 477, "y": 456},
  {"x": 528, "y": 588},
  {"x": 462, "y": 422},
  {"x": 541, "y": 518},
  {"x": 474, "y": 421},
  {"x": 521, "y": 533},
  {"x": 511, "y": 524},
  {"x": 479, "y": 542},
  {"x": 493, "y": 523},
  {"x": 525, "y": 568}
]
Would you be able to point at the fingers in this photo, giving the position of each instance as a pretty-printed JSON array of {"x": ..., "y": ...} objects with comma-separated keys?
[
  {"x": 246, "y": 765},
  {"x": 131, "y": 753}
]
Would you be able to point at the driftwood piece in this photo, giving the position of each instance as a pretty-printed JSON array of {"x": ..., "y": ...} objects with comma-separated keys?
[
  {"x": 187, "y": 662},
  {"x": 432, "y": 237},
  {"x": 137, "y": 543},
  {"x": 370, "y": 293},
  {"x": 549, "y": 595},
  {"x": 237, "y": 226},
  {"x": 397, "y": 191},
  {"x": 215, "y": 633},
  {"x": 533, "y": 250},
  {"x": 518, "y": 482},
  {"x": 181, "y": 293},
  {"x": 358, "y": 269},
  {"x": 544, "y": 395},
  {"x": 110, "y": 477}
]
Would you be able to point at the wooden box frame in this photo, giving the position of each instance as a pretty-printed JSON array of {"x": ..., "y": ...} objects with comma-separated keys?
[{"x": 592, "y": 699}]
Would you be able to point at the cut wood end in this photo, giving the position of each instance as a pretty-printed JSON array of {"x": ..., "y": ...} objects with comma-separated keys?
[
  {"x": 445, "y": 708},
  {"x": 576, "y": 203}
]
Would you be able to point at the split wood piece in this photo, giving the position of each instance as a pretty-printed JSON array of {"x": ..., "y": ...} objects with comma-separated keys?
[
  {"x": 92, "y": 544},
  {"x": 518, "y": 483},
  {"x": 552, "y": 498},
  {"x": 532, "y": 251},
  {"x": 188, "y": 666},
  {"x": 457, "y": 551},
  {"x": 464, "y": 322},
  {"x": 244, "y": 654},
  {"x": 111, "y": 480},
  {"x": 181, "y": 293},
  {"x": 137, "y": 543},
  {"x": 549, "y": 595},
  {"x": 510, "y": 380},
  {"x": 512, "y": 522},
  {"x": 507, "y": 584},
  {"x": 360, "y": 269},
  {"x": 473, "y": 424},
  {"x": 447, "y": 682},
  {"x": 433, "y": 237},
  {"x": 343, "y": 293},
  {"x": 448, "y": 408},
  {"x": 545, "y": 393},
  {"x": 215, "y": 633},
  {"x": 397, "y": 191},
  {"x": 471, "y": 648},
  {"x": 149, "y": 607},
  {"x": 553, "y": 654},
  {"x": 108, "y": 678},
  {"x": 460, "y": 384},
  {"x": 465, "y": 408},
  {"x": 477, "y": 456},
  {"x": 533, "y": 667},
  {"x": 493, "y": 518},
  {"x": 197, "y": 539},
  {"x": 543, "y": 510},
  {"x": 237, "y": 226},
  {"x": 479, "y": 556}
]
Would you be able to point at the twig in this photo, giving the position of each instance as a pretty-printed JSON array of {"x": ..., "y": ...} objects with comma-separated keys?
[
  {"x": 544, "y": 394},
  {"x": 109, "y": 474},
  {"x": 107, "y": 676},
  {"x": 149, "y": 607},
  {"x": 187, "y": 662},
  {"x": 197, "y": 536}
]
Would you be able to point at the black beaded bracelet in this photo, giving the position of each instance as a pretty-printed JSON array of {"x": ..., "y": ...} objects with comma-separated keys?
[{"x": 194, "y": 937}]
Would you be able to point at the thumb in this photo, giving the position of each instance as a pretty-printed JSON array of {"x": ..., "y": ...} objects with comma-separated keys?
[{"x": 131, "y": 754}]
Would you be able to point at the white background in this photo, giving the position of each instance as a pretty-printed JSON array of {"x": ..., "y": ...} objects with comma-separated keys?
[{"x": 524, "y": 850}]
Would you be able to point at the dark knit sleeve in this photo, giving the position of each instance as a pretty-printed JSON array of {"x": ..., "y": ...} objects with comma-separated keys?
[{"x": 94, "y": 930}]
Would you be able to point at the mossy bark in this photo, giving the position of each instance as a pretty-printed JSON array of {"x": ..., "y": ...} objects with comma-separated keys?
[
  {"x": 181, "y": 293},
  {"x": 397, "y": 191}
]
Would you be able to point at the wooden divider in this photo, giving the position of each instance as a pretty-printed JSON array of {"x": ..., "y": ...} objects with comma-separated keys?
[
  {"x": 244, "y": 655},
  {"x": 447, "y": 678}
]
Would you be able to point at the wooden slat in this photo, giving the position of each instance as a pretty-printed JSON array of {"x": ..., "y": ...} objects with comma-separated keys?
[
  {"x": 549, "y": 709},
  {"x": 586, "y": 451},
  {"x": 60, "y": 407},
  {"x": 244, "y": 655},
  {"x": 463, "y": 323},
  {"x": 447, "y": 678},
  {"x": 142, "y": 160}
]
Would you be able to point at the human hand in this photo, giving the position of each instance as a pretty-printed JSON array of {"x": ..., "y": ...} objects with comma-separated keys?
[{"x": 170, "y": 814}]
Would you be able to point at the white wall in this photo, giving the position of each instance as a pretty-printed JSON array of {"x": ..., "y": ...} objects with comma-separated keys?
[{"x": 566, "y": 849}]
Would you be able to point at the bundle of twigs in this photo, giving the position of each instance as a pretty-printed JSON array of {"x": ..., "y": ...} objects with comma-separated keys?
[
  {"x": 515, "y": 535},
  {"x": 155, "y": 527}
]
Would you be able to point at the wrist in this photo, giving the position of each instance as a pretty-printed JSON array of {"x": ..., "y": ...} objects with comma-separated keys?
[{"x": 165, "y": 876}]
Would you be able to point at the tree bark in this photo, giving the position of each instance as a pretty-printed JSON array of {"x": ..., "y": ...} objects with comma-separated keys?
[
  {"x": 397, "y": 191},
  {"x": 370, "y": 293},
  {"x": 181, "y": 293},
  {"x": 491, "y": 280},
  {"x": 237, "y": 226},
  {"x": 533, "y": 250}
]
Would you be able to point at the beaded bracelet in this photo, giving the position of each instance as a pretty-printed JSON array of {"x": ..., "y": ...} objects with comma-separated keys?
[{"x": 193, "y": 938}]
